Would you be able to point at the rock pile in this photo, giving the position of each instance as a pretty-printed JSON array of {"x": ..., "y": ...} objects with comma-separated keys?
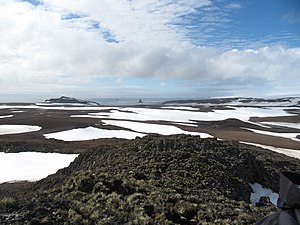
[{"x": 178, "y": 179}]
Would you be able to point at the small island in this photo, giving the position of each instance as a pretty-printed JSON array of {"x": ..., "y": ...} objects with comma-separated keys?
[{"x": 70, "y": 100}]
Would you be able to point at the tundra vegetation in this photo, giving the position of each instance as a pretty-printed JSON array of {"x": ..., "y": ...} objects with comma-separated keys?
[{"x": 177, "y": 179}]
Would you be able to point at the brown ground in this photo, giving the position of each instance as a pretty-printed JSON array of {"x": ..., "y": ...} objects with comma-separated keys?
[{"x": 52, "y": 120}]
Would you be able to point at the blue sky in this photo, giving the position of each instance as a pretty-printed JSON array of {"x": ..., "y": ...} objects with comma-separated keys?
[{"x": 150, "y": 48}]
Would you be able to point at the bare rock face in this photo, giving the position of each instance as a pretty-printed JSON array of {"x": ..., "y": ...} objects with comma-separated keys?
[
  {"x": 263, "y": 201},
  {"x": 177, "y": 179}
]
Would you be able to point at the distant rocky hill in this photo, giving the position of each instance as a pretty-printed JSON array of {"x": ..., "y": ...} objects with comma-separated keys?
[
  {"x": 178, "y": 179},
  {"x": 70, "y": 100},
  {"x": 287, "y": 101}
]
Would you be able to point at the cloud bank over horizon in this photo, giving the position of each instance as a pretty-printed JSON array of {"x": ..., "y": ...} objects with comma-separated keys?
[{"x": 134, "y": 48}]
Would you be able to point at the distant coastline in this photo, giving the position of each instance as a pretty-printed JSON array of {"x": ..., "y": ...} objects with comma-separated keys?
[{"x": 130, "y": 101}]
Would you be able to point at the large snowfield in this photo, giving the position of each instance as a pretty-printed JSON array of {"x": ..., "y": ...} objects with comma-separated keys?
[
  {"x": 31, "y": 166},
  {"x": 152, "y": 128},
  {"x": 183, "y": 116}
]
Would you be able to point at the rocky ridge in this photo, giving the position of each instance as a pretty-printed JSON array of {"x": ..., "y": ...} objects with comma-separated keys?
[
  {"x": 241, "y": 101},
  {"x": 177, "y": 179},
  {"x": 70, "y": 100}
]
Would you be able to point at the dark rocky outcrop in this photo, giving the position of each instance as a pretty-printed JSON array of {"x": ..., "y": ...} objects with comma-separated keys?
[
  {"x": 70, "y": 100},
  {"x": 178, "y": 179}
]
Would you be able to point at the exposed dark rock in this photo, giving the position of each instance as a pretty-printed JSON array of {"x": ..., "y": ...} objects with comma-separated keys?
[
  {"x": 263, "y": 201},
  {"x": 70, "y": 100}
]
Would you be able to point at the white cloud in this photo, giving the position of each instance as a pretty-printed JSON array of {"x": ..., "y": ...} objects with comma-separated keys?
[
  {"x": 234, "y": 5},
  {"x": 41, "y": 50},
  {"x": 292, "y": 18}
]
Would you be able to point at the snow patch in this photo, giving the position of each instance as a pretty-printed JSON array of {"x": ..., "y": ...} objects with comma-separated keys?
[
  {"x": 17, "y": 111},
  {"x": 75, "y": 108},
  {"x": 180, "y": 108},
  {"x": 148, "y": 114},
  {"x": 292, "y": 136},
  {"x": 283, "y": 124},
  {"x": 259, "y": 191},
  {"x": 90, "y": 133},
  {"x": 7, "y": 116},
  {"x": 152, "y": 128},
  {"x": 289, "y": 152},
  {"x": 31, "y": 166},
  {"x": 17, "y": 129},
  {"x": 187, "y": 124}
]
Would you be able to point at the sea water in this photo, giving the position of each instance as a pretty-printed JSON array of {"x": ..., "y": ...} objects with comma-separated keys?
[{"x": 130, "y": 101}]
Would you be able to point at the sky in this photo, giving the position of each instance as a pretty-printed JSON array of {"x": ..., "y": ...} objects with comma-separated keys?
[{"x": 148, "y": 49}]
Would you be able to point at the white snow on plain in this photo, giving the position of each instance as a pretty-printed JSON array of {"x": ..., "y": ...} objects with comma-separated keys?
[
  {"x": 152, "y": 128},
  {"x": 17, "y": 111},
  {"x": 283, "y": 124},
  {"x": 18, "y": 107},
  {"x": 187, "y": 124},
  {"x": 75, "y": 108},
  {"x": 180, "y": 108},
  {"x": 17, "y": 129},
  {"x": 62, "y": 104},
  {"x": 284, "y": 135},
  {"x": 31, "y": 166},
  {"x": 289, "y": 103},
  {"x": 144, "y": 114},
  {"x": 262, "y": 104},
  {"x": 180, "y": 115},
  {"x": 7, "y": 116},
  {"x": 90, "y": 133},
  {"x": 259, "y": 191},
  {"x": 289, "y": 152},
  {"x": 90, "y": 115}
]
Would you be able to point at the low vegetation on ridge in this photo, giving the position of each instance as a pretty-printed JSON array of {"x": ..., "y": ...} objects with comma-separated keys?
[{"x": 177, "y": 179}]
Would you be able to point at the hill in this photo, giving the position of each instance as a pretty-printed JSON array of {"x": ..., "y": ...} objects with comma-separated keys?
[
  {"x": 241, "y": 101},
  {"x": 177, "y": 179},
  {"x": 70, "y": 100}
]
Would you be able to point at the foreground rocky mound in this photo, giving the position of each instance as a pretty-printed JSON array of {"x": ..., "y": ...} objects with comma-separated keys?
[{"x": 176, "y": 179}]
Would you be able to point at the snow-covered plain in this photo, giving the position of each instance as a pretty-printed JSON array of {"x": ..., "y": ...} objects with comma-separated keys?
[
  {"x": 50, "y": 107},
  {"x": 146, "y": 114},
  {"x": 17, "y": 129},
  {"x": 90, "y": 133},
  {"x": 152, "y": 128},
  {"x": 31, "y": 166},
  {"x": 139, "y": 130},
  {"x": 259, "y": 191}
]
